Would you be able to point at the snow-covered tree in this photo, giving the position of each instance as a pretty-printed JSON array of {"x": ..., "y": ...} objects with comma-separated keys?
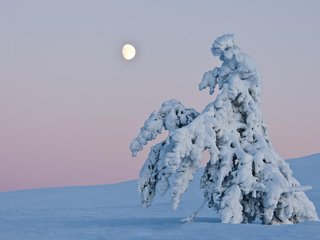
[{"x": 244, "y": 178}]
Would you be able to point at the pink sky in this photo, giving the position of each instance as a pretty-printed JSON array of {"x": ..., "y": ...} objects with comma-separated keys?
[{"x": 70, "y": 105}]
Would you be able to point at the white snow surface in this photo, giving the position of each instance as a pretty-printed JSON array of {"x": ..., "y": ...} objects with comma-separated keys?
[{"x": 115, "y": 212}]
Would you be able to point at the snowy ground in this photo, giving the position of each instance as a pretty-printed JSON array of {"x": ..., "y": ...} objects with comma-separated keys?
[{"x": 114, "y": 212}]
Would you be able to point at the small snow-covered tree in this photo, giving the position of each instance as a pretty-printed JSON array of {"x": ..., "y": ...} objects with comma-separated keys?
[{"x": 244, "y": 178}]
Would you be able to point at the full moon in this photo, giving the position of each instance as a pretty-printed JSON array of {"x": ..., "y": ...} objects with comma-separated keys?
[{"x": 128, "y": 51}]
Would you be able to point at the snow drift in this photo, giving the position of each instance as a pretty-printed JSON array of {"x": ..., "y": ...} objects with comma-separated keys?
[{"x": 112, "y": 212}]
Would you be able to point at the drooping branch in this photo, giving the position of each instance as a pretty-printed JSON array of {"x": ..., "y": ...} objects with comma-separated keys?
[
  {"x": 172, "y": 115},
  {"x": 155, "y": 173}
]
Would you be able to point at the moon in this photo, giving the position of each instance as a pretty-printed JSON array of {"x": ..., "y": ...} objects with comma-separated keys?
[{"x": 128, "y": 51}]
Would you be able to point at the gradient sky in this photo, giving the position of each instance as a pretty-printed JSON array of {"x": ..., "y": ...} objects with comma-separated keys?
[{"x": 70, "y": 105}]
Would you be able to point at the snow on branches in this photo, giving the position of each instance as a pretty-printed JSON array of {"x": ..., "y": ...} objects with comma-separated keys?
[
  {"x": 245, "y": 178},
  {"x": 171, "y": 116}
]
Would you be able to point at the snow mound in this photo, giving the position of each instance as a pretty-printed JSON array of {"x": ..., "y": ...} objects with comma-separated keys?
[{"x": 114, "y": 212}]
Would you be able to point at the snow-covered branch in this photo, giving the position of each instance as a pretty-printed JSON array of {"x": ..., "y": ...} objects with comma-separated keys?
[{"x": 172, "y": 115}]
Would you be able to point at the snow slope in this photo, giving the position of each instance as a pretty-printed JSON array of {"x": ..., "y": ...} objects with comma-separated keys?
[{"x": 114, "y": 212}]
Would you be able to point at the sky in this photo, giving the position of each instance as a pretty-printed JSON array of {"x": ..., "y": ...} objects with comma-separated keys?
[{"x": 70, "y": 104}]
